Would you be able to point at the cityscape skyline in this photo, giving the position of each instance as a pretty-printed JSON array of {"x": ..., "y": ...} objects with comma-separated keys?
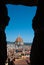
[{"x": 20, "y": 23}]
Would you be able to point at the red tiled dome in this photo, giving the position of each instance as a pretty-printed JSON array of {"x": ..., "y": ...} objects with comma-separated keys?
[{"x": 19, "y": 39}]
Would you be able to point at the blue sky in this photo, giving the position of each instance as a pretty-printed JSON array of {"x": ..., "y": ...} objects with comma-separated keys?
[{"x": 20, "y": 23}]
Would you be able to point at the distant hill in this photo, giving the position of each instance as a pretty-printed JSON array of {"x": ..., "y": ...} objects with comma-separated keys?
[
  {"x": 8, "y": 42},
  {"x": 28, "y": 43}
]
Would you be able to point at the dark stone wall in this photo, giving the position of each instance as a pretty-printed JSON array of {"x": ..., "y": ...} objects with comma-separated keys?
[
  {"x": 4, "y": 19},
  {"x": 22, "y": 2},
  {"x": 37, "y": 50}
]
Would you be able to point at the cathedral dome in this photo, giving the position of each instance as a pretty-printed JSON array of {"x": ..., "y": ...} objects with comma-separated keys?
[{"x": 19, "y": 41}]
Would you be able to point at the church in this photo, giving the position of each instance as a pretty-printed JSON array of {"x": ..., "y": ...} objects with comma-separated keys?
[{"x": 19, "y": 41}]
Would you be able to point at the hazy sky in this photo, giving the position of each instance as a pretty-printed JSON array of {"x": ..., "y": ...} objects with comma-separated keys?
[{"x": 20, "y": 23}]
